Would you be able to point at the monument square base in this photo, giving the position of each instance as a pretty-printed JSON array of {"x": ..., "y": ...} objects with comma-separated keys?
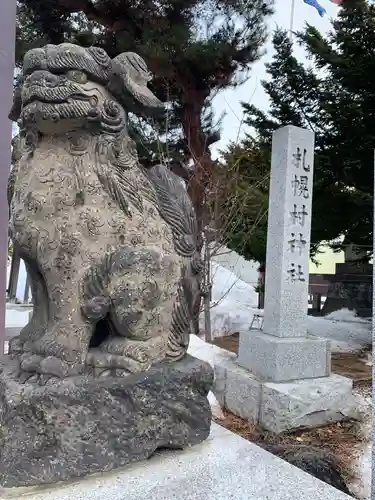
[
  {"x": 224, "y": 467},
  {"x": 279, "y": 359},
  {"x": 286, "y": 406},
  {"x": 83, "y": 425}
]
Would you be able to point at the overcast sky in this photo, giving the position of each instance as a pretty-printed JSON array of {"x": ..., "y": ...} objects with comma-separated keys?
[{"x": 229, "y": 101}]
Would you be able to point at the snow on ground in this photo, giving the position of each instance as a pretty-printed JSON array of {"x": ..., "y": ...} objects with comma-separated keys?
[
  {"x": 346, "y": 331},
  {"x": 246, "y": 270},
  {"x": 234, "y": 303},
  {"x": 16, "y": 318}
]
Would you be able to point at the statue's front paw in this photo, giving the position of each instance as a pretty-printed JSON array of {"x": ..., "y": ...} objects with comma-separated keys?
[
  {"x": 39, "y": 369},
  {"x": 67, "y": 349},
  {"x": 36, "y": 378},
  {"x": 102, "y": 364},
  {"x": 19, "y": 346},
  {"x": 120, "y": 356},
  {"x": 135, "y": 350},
  {"x": 52, "y": 357},
  {"x": 31, "y": 370}
]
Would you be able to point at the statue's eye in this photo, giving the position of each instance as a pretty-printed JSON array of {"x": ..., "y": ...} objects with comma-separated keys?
[{"x": 77, "y": 76}]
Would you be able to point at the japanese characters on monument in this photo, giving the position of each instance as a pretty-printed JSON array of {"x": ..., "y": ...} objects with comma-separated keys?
[
  {"x": 298, "y": 243},
  {"x": 288, "y": 235}
]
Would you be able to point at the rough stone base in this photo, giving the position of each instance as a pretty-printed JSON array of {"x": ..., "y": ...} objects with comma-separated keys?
[
  {"x": 82, "y": 426},
  {"x": 306, "y": 403},
  {"x": 224, "y": 467},
  {"x": 280, "y": 407},
  {"x": 280, "y": 359},
  {"x": 237, "y": 390}
]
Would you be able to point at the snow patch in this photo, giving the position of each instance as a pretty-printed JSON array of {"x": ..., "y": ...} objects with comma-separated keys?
[
  {"x": 246, "y": 270},
  {"x": 349, "y": 333},
  {"x": 346, "y": 315},
  {"x": 15, "y": 318},
  {"x": 234, "y": 303}
]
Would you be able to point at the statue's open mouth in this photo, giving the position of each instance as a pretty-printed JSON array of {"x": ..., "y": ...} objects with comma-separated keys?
[
  {"x": 66, "y": 102},
  {"x": 35, "y": 99},
  {"x": 55, "y": 95}
]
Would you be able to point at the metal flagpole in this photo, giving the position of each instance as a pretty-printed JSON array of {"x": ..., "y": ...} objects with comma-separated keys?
[{"x": 291, "y": 18}]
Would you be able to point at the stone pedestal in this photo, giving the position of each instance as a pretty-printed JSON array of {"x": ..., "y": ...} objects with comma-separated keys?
[
  {"x": 81, "y": 426},
  {"x": 283, "y": 406},
  {"x": 283, "y": 359},
  {"x": 306, "y": 403},
  {"x": 224, "y": 467}
]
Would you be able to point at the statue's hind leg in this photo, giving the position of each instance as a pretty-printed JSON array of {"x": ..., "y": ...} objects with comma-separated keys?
[{"x": 37, "y": 325}]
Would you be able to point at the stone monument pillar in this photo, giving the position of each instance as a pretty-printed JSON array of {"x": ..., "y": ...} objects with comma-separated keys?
[
  {"x": 282, "y": 351},
  {"x": 281, "y": 379}
]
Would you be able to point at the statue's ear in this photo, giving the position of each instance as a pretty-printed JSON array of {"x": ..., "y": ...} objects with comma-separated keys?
[
  {"x": 16, "y": 109},
  {"x": 128, "y": 81}
]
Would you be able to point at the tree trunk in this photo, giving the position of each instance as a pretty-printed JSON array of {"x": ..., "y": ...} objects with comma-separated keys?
[
  {"x": 207, "y": 292},
  {"x": 191, "y": 119}
]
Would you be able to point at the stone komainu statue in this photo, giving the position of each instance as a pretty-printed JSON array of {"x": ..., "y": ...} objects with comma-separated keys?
[{"x": 109, "y": 246}]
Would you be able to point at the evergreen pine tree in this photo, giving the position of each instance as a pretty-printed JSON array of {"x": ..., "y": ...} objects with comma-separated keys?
[
  {"x": 195, "y": 48},
  {"x": 241, "y": 199},
  {"x": 334, "y": 97}
]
